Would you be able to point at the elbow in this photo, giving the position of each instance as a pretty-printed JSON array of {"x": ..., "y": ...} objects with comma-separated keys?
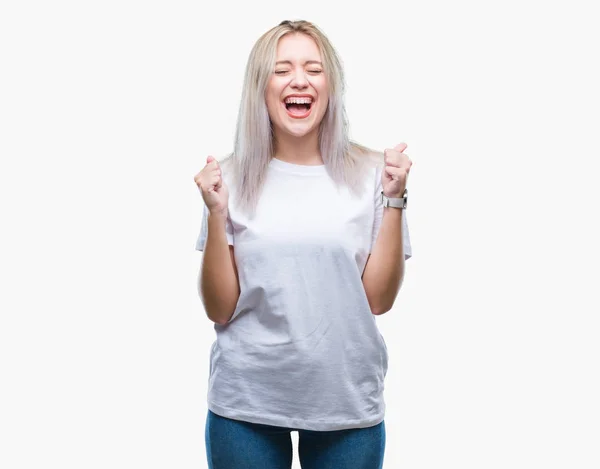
[
  {"x": 381, "y": 295},
  {"x": 380, "y": 305},
  {"x": 378, "y": 310},
  {"x": 219, "y": 312},
  {"x": 380, "y": 302},
  {"x": 220, "y": 305},
  {"x": 219, "y": 317},
  {"x": 220, "y": 321},
  {"x": 218, "y": 309},
  {"x": 383, "y": 301}
]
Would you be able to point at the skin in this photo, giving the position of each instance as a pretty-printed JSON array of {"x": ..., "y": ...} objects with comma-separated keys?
[
  {"x": 298, "y": 70},
  {"x": 397, "y": 168}
]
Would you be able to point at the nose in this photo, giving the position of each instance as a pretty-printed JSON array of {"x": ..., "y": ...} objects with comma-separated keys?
[{"x": 299, "y": 80}]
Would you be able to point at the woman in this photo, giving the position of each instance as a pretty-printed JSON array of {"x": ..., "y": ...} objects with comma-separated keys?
[{"x": 300, "y": 254}]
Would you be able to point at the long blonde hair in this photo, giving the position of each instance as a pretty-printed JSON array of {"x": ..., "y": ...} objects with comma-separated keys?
[{"x": 253, "y": 148}]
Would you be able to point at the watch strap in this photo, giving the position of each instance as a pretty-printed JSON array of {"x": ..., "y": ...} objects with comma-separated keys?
[{"x": 395, "y": 202}]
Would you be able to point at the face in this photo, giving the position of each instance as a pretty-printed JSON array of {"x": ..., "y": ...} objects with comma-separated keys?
[{"x": 297, "y": 93}]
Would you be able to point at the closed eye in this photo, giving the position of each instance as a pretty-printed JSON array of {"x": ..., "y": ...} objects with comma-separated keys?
[{"x": 283, "y": 72}]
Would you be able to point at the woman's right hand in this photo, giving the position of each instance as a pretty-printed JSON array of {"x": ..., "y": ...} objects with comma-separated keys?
[{"x": 213, "y": 189}]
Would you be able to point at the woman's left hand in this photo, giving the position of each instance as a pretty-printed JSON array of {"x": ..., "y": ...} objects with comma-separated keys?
[{"x": 395, "y": 173}]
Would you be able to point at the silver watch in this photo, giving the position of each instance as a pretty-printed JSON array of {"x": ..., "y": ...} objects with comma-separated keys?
[{"x": 394, "y": 202}]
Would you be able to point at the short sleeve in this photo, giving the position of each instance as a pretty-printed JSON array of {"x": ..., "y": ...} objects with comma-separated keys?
[
  {"x": 201, "y": 241},
  {"x": 379, "y": 216}
]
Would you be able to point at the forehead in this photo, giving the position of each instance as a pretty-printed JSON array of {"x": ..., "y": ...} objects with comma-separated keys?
[{"x": 297, "y": 47}]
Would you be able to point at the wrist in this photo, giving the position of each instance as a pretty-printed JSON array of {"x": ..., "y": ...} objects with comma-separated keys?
[
  {"x": 396, "y": 195},
  {"x": 397, "y": 201},
  {"x": 218, "y": 215}
]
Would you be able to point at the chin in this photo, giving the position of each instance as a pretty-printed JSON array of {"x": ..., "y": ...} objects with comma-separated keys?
[{"x": 298, "y": 132}]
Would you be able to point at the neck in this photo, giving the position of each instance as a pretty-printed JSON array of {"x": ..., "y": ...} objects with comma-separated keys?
[{"x": 298, "y": 150}]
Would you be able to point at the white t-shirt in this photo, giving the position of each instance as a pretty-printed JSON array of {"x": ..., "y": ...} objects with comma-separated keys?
[{"x": 302, "y": 349}]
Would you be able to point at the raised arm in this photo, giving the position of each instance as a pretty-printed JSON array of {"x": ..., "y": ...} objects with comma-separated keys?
[
  {"x": 384, "y": 271},
  {"x": 218, "y": 283}
]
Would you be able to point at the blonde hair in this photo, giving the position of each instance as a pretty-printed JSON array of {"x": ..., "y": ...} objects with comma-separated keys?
[{"x": 253, "y": 148}]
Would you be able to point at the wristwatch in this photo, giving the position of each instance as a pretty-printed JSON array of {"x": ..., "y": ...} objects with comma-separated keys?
[{"x": 395, "y": 202}]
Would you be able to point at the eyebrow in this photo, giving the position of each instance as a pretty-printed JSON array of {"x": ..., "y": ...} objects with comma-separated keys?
[{"x": 289, "y": 62}]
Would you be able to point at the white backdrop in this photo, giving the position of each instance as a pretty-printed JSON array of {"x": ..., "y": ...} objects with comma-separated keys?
[{"x": 108, "y": 109}]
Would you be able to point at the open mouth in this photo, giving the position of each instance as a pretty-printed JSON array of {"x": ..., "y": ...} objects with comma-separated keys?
[{"x": 297, "y": 107}]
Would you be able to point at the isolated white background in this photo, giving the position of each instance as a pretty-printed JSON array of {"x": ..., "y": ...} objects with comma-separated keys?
[{"x": 108, "y": 109}]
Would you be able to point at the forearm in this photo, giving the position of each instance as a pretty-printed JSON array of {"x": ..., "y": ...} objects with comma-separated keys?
[
  {"x": 219, "y": 284},
  {"x": 384, "y": 271}
]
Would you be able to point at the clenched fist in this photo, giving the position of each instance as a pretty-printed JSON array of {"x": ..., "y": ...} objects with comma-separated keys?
[
  {"x": 395, "y": 173},
  {"x": 213, "y": 189}
]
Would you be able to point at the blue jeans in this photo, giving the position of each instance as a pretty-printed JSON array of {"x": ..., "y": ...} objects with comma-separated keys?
[{"x": 235, "y": 444}]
